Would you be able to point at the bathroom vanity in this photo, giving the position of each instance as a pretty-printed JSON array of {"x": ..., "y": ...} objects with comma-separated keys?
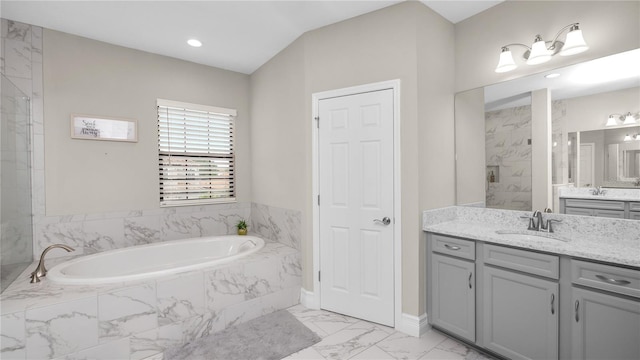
[
  {"x": 614, "y": 203},
  {"x": 527, "y": 295}
]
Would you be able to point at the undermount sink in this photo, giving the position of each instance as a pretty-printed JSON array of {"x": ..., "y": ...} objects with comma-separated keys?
[{"x": 531, "y": 235}]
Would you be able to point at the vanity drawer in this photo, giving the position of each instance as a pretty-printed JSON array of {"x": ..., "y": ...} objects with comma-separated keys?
[
  {"x": 522, "y": 260},
  {"x": 634, "y": 206},
  {"x": 634, "y": 215},
  {"x": 465, "y": 249},
  {"x": 595, "y": 204},
  {"x": 606, "y": 277}
]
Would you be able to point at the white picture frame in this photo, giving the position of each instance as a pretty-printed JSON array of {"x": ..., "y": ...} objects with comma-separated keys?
[{"x": 91, "y": 127}]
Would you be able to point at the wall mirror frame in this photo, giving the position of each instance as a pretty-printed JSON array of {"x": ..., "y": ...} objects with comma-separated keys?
[{"x": 577, "y": 102}]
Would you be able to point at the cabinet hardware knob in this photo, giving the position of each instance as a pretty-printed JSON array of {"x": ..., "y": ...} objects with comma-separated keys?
[
  {"x": 613, "y": 281},
  {"x": 452, "y": 247},
  {"x": 553, "y": 299},
  {"x": 470, "y": 275},
  {"x": 577, "y": 307}
]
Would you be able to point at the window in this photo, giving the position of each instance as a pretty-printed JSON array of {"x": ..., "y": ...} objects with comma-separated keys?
[{"x": 195, "y": 153}]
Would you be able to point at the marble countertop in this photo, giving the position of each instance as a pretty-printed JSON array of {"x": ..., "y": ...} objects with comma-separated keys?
[
  {"x": 615, "y": 241},
  {"x": 610, "y": 194}
]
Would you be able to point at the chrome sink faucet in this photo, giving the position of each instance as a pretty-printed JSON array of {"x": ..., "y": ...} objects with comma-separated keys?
[
  {"x": 537, "y": 223},
  {"x": 598, "y": 191},
  {"x": 41, "y": 271}
]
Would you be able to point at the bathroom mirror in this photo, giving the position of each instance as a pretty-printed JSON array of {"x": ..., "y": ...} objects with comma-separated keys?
[
  {"x": 582, "y": 97},
  {"x": 608, "y": 158}
]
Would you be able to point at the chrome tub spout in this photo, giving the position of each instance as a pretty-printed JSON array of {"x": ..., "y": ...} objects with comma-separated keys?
[{"x": 41, "y": 271}]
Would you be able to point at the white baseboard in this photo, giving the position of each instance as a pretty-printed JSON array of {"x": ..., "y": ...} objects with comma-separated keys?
[
  {"x": 413, "y": 325},
  {"x": 309, "y": 299}
]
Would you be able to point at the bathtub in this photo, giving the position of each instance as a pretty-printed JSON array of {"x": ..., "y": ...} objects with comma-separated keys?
[{"x": 153, "y": 260}]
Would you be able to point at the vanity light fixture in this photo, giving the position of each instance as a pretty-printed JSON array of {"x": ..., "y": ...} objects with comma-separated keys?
[
  {"x": 632, "y": 137},
  {"x": 541, "y": 51},
  {"x": 629, "y": 119},
  {"x": 626, "y": 119}
]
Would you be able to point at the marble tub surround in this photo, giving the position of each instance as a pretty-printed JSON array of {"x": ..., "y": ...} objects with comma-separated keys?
[
  {"x": 140, "y": 319},
  {"x": 610, "y": 240},
  {"x": 276, "y": 224},
  {"x": 91, "y": 233},
  {"x": 610, "y": 194}
]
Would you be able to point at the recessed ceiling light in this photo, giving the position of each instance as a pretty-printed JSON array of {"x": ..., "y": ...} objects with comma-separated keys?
[
  {"x": 552, "y": 76},
  {"x": 194, "y": 42}
]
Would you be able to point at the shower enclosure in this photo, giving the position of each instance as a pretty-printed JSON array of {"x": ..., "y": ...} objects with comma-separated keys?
[{"x": 16, "y": 230}]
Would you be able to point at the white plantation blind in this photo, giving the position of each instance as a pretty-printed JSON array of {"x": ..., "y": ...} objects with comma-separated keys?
[{"x": 196, "y": 153}]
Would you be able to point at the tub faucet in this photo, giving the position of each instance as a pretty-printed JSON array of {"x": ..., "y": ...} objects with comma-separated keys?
[{"x": 41, "y": 271}]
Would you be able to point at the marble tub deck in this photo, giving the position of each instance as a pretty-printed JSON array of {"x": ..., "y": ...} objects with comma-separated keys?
[{"x": 140, "y": 319}]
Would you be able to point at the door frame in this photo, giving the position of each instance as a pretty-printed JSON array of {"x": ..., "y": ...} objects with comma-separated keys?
[{"x": 313, "y": 299}]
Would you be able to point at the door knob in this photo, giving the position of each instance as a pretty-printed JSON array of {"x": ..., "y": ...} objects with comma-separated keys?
[{"x": 385, "y": 221}]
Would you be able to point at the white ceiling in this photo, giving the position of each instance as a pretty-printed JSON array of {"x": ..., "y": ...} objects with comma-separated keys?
[{"x": 236, "y": 35}]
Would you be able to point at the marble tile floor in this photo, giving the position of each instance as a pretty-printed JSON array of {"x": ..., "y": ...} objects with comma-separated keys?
[{"x": 344, "y": 337}]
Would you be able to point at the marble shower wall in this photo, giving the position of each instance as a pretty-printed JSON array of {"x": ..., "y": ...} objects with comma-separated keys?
[
  {"x": 560, "y": 146},
  {"x": 21, "y": 64},
  {"x": 507, "y": 134}
]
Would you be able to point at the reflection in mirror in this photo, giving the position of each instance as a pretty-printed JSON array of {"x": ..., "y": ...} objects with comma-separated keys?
[
  {"x": 508, "y": 156},
  {"x": 582, "y": 98},
  {"x": 608, "y": 158}
]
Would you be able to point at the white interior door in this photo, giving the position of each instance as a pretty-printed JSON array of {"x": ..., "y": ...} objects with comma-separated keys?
[
  {"x": 586, "y": 164},
  {"x": 356, "y": 205}
]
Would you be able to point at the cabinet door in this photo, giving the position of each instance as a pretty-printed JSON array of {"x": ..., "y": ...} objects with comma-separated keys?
[
  {"x": 604, "y": 326},
  {"x": 453, "y": 295},
  {"x": 520, "y": 315}
]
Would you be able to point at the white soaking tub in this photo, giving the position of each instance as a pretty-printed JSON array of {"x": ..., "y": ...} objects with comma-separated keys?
[{"x": 153, "y": 260}]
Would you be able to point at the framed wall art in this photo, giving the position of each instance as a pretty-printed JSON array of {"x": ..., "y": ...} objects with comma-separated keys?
[{"x": 90, "y": 127}]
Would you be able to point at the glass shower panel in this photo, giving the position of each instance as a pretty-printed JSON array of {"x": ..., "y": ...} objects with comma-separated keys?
[{"x": 16, "y": 232}]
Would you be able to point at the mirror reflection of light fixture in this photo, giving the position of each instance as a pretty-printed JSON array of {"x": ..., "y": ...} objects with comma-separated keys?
[
  {"x": 631, "y": 137},
  {"x": 541, "y": 51},
  {"x": 612, "y": 121},
  {"x": 627, "y": 119}
]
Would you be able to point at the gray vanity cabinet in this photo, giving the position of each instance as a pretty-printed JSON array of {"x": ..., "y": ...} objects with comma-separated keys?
[
  {"x": 634, "y": 210},
  {"x": 452, "y": 284},
  {"x": 454, "y": 300},
  {"x": 604, "y": 326},
  {"x": 592, "y": 207},
  {"x": 606, "y": 311},
  {"x": 520, "y": 311}
]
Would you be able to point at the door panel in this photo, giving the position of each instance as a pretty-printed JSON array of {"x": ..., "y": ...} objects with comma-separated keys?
[{"x": 356, "y": 187}]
